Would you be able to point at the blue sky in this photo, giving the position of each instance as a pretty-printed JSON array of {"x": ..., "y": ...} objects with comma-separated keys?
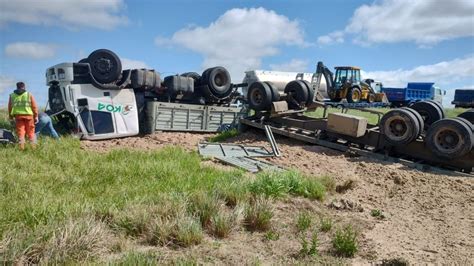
[{"x": 393, "y": 41}]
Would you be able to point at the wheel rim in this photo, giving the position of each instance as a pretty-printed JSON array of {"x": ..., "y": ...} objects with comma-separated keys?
[
  {"x": 355, "y": 95},
  {"x": 257, "y": 97},
  {"x": 396, "y": 128},
  {"x": 220, "y": 79},
  {"x": 447, "y": 140},
  {"x": 103, "y": 65}
]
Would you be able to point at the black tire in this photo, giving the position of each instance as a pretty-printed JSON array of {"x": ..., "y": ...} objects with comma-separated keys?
[
  {"x": 468, "y": 115},
  {"x": 467, "y": 122},
  {"x": 333, "y": 97},
  {"x": 259, "y": 96},
  {"x": 274, "y": 91},
  {"x": 106, "y": 66},
  {"x": 195, "y": 76},
  {"x": 429, "y": 111},
  {"x": 296, "y": 91},
  {"x": 421, "y": 123},
  {"x": 310, "y": 91},
  {"x": 450, "y": 138},
  {"x": 440, "y": 107},
  {"x": 371, "y": 98},
  {"x": 399, "y": 127},
  {"x": 354, "y": 95},
  {"x": 218, "y": 81}
]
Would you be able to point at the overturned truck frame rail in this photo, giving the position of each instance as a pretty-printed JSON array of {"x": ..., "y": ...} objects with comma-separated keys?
[{"x": 298, "y": 126}]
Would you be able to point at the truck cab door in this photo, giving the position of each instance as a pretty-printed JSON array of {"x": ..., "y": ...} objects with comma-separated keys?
[
  {"x": 125, "y": 112},
  {"x": 95, "y": 120},
  {"x": 438, "y": 95}
]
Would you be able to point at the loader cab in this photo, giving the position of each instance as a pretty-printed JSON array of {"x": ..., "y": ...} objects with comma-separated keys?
[{"x": 346, "y": 74}]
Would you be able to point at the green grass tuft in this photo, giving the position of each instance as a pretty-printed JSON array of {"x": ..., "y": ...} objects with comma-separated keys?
[
  {"x": 377, "y": 214},
  {"x": 325, "y": 224},
  {"x": 272, "y": 235},
  {"x": 258, "y": 215},
  {"x": 279, "y": 184},
  {"x": 204, "y": 206},
  {"x": 136, "y": 258},
  {"x": 309, "y": 248},
  {"x": 224, "y": 135},
  {"x": 303, "y": 221},
  {"x": 188, "y": 232},
  {"x": 345, "y": 242},
  {"x": 223, "y": 224}
]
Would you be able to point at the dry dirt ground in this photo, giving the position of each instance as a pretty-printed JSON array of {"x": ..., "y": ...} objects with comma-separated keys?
[{"x": 429, "y": 217}]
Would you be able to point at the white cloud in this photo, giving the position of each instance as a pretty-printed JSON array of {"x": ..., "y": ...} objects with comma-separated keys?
[
  {"x": 331, "y": 38},
  {"x": 101, "y": 14},
  {"x": 30, "y": 50},
  {"x": 239, "y": 39},
  {"x": 443, "y": 73},
  {"x": 295, "y": 65},
  {"x": 425, "y": 22},
  {"x": 131, "y": 64}
]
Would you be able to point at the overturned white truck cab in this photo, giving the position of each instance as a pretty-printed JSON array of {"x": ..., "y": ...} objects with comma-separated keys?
[{"x": 95, "y": 99}]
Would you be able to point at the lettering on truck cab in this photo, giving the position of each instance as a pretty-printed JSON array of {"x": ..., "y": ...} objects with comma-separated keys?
[{"x": 114, "y": 108}]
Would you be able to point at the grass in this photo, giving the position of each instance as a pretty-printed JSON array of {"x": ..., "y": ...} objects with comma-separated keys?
[
  {"x": 258, "y": 215},
  {"x": 373, "y": 118},
  {"x": 222, "y": 136},
  {"x": 303, "y": 221},
  {"x": 136, "y": 258},
  {"x": 276, "y": 185},
  {"x": 377, "y": 214},
  {"x": 272, "y": 235},
  {"x": 60, "y": 203},
  {"x": 223, "y": 224},
  {"x": 121, "y": 189},
  {"x": 309, "y": 248},
  {"x": 345, "y": 242},
  {"x": 325, "y": 224},
  {"x": 4, "y": 121},
  {"x": 204, "y": 206}
]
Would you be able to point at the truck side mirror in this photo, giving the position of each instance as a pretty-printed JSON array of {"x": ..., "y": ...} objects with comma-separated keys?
[{"x": 444, "y": 92}]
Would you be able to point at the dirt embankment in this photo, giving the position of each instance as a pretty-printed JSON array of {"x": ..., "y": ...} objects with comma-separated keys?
[{"x": 429, "y": 217}]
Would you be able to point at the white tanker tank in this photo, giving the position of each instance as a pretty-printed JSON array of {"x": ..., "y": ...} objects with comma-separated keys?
[{"x": 280, "y": 79}]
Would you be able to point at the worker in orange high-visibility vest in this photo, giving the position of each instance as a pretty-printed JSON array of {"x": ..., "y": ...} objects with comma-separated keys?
[{"x": 22, "y": 107}]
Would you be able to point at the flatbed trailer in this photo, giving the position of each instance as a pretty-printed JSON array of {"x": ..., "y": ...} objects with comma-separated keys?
[
  {"x": 345, "y": 104},
  {"x": 296, "y": 125}
]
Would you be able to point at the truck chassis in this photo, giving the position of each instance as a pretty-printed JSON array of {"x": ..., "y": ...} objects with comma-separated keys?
[{"x": 296, "y": 125}]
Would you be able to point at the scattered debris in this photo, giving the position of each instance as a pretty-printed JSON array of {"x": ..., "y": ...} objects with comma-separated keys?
[
  {"x": 393, "y": 262},
  {"x": 250, "y": 164},
  {"x": 243, "y": 156},
  {"x": 6, "y": 136},
  {"x": 232, "y": 150},
  {"x": 271, "y": 139},
  {"x": 344, "y": 204}
]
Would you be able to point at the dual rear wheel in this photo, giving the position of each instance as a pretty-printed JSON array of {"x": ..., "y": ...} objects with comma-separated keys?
[
  {"x": 260, "y": 95},
  {"x": 446, "y": 137}
]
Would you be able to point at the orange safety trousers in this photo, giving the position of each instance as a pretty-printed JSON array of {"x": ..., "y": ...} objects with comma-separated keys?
[{"x": 25, "y": 124}]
